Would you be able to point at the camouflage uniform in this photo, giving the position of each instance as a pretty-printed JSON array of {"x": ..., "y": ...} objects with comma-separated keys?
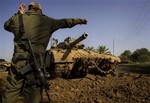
[{"x": 38, "y": 28}]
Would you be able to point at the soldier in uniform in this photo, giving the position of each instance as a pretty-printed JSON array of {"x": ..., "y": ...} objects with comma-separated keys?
[{"x": 38, "y": 28}]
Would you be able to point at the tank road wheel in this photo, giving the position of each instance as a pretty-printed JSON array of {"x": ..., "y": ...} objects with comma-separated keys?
[
  {"x": 106, "y": 67},
  {"x": 80, "y": 69},
  {"x": 57, "y": 71},
  {"x": 61, "y": 70},
  {"x": 3, "y": 68}
]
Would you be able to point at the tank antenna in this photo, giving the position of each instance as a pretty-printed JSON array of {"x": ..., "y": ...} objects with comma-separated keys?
[{"x": 51, "y": 41}]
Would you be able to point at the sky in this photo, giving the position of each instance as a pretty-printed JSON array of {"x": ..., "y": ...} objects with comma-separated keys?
[{"x": 117, "y": 24}]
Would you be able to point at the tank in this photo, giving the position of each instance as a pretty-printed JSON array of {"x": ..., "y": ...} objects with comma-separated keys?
[{"x": 69, "y": 59}]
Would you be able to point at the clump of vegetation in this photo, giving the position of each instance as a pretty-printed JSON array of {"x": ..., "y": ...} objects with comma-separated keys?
[{"x": 140, "y": 55}]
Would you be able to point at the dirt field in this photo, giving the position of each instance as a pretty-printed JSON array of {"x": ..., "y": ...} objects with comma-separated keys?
[{"x": 121, "y": 88}]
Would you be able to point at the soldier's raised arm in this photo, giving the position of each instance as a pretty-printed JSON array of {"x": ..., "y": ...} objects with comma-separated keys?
[{"x": 8, "y": 23}]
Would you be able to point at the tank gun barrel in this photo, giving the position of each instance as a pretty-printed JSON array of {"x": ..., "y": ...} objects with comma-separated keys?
[{"x": 82, "y": 37}]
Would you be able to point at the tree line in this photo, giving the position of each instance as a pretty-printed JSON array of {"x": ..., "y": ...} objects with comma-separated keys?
[
  {"x": 100, "y": 49},
  {"x": 139, "y": 55}
]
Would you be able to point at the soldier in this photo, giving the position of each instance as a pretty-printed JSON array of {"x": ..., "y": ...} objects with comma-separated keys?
[{"x": 38, "y": 28}]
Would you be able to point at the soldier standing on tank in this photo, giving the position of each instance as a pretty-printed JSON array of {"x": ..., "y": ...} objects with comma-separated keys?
[{"x": 38, "y": 28}]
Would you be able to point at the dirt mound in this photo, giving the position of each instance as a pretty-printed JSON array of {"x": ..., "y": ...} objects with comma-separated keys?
[{"x": 122, "y": 88}]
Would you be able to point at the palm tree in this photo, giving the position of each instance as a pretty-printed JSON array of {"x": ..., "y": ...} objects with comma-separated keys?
[
  {"x": 90, "y": 48},
  {"x": 103, "y": 50}
]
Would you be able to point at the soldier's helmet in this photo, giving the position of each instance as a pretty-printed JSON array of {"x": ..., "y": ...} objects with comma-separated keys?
[{"x": 35, "y": 5}]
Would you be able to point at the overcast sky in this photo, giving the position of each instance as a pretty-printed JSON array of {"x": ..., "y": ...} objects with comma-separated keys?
[{"x": 127, "y": 22}]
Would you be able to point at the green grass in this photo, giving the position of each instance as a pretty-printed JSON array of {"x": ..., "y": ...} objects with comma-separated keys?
[{"x": 137, "y": 65}]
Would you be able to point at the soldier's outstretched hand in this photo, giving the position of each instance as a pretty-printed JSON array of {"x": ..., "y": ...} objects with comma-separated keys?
[{"x": 22, "y": 8}]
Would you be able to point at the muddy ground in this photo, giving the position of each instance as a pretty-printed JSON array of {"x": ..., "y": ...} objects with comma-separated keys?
[{"x": 120, "y": 88}]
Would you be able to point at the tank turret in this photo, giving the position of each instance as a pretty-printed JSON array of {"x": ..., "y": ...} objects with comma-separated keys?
[{"x": 70, "y": 43}]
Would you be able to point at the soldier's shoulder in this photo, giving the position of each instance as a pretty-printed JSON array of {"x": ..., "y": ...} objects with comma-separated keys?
[
  {"x": 13, "y": 17},
  {"x": 48, "y": 18}
]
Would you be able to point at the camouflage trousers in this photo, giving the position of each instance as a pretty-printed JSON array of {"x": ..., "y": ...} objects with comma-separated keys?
[{"x": 16, "y": 86}]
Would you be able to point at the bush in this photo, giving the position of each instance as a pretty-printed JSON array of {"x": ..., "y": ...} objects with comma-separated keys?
[{"x": 143, "y": 58}]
